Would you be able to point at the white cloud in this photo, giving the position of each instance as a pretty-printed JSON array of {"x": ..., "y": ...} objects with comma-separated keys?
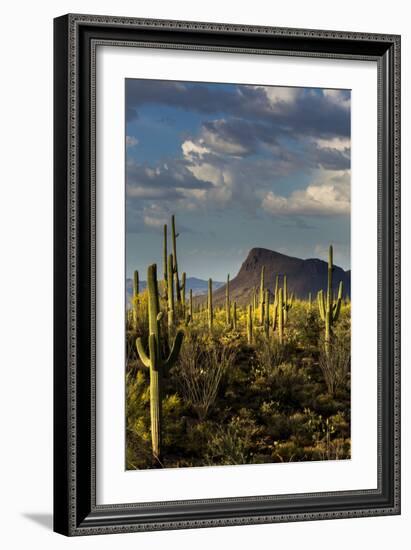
[
  {"x": 338, "y": 97},
  {"x": 329, "y": 196},
  {"x": 280, "y": 96},
  {"x": 131, "y": 141},
  {"x": 155, "y": 216},
  {"x": 338, "y": 143},
  {"x": 192, "y": 149}
]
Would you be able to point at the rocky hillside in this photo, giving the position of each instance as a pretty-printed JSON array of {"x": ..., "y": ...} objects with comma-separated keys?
[{"x": 303, "y": 276}]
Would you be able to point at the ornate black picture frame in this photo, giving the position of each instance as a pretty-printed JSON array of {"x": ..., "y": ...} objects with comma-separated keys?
[{"x": 76, "y": 38}]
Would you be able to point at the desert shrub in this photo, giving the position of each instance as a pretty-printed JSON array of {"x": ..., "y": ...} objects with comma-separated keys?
[
  {"x": 232, "y": 443},
  {"x": 200, "y": 369},
  {"x": 289, "y": 385},
  {"x": 335, "y": 362},
  {"x": 269, "y": 354}
]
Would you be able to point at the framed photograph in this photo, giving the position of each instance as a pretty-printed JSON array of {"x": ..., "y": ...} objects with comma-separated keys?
[{"x": 227, "y": 276}]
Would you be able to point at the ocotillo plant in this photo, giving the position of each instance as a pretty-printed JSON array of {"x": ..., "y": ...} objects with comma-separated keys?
[
  {"x": 154, "y": 360},
  {"x": 174, "y": 236},
  {"x": 210, "y": 304},
  {"x": 170, "y": 295},
  {"x": 262, "y": 296},
  {"x": 267, "y": 313},
  {"x": 330, "y": 311},
  {"x": 227, "y": 302},
  {"x": 287, "y": 300},
  {"x": 250, "y": 324},
  {"x": 135, "y": 299}
]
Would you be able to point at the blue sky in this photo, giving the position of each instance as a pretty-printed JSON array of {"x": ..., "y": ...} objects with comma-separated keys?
[{"x": 240, "y": 166}]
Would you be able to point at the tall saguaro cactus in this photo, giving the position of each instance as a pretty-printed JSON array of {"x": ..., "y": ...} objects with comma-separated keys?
[
  {"x": 154, "y": 360},
  {"x": 267, "y": 313},
  {"x": 135, "y": 299},
  {"x": 210, "y": 304},
  {"x": 280, "y": 312},
  {"x": 330, "y": 311},
  {"x": 165, "y": 259},
  {"x": 250, "y": 324},
  {"x": 183, "y": 293},
  {"x": 170, "y": 295},
  {"x": 227, "y": 302},
  {"x": 174, "y": 236},
  {"x": 262, "y": 296},
  {"x": 287, "y": 300},
  {"x": 235, "y": 315},
  {"x": 275, "y": 305}
]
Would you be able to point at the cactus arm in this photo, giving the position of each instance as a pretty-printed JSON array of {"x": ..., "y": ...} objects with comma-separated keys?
[
  {"x": 337, "y": 305},
  {"x": 175, "y": 349},
  {"x": 142, "y": 354}
]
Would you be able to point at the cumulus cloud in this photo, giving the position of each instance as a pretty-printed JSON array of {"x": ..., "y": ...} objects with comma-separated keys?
[
  {"x": 131, "y": 141},
  {"x": 330, "y": 195},
  {"x": 279, "y": 97},
  {"x": 342, "y": 98}
]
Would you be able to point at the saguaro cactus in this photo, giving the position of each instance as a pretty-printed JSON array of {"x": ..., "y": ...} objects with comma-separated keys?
[
  {"x": 210, "y": 304},
  {"x": 330, "y": 311},
  {"x": 165, "y": 259},
  {"x": 280, "y": 312},
  {"x": 154, "y": 361},
  {"x": 135, "y": 299},
  {"x": 183, "y": 293},
  {"x": 262, "y": 296},
  {"x": 267, "y": 313},
  {"x": 250, "y": 324},
  {"x": 287, "y": 300},
  {"x": 309, "y": 301},
  {"x": 275, "y": 305},
  {"x": 235, "y": 315},
  {"x": 174, "y": 236},
  {"x": 227, "y": 302},
  {"x": 170, "y": 295}
]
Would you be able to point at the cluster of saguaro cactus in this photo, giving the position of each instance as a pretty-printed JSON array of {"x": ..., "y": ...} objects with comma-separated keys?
[
  {"x": 329, "y": 310},
  {"x": 282, "y": 304},
  {"x": 154, "y": 360}
]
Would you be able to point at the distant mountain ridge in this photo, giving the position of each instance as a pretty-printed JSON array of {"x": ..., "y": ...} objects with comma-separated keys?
[
  {"x": 303, "y": 276},
  {"x": 198, "y": 286}
]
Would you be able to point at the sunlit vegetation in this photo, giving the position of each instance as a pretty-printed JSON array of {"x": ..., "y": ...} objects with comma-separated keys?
[{"x": 228, "y": 383}]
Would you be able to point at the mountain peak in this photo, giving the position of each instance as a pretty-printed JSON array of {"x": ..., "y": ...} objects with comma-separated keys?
[{"x": 303, "y": 276}]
